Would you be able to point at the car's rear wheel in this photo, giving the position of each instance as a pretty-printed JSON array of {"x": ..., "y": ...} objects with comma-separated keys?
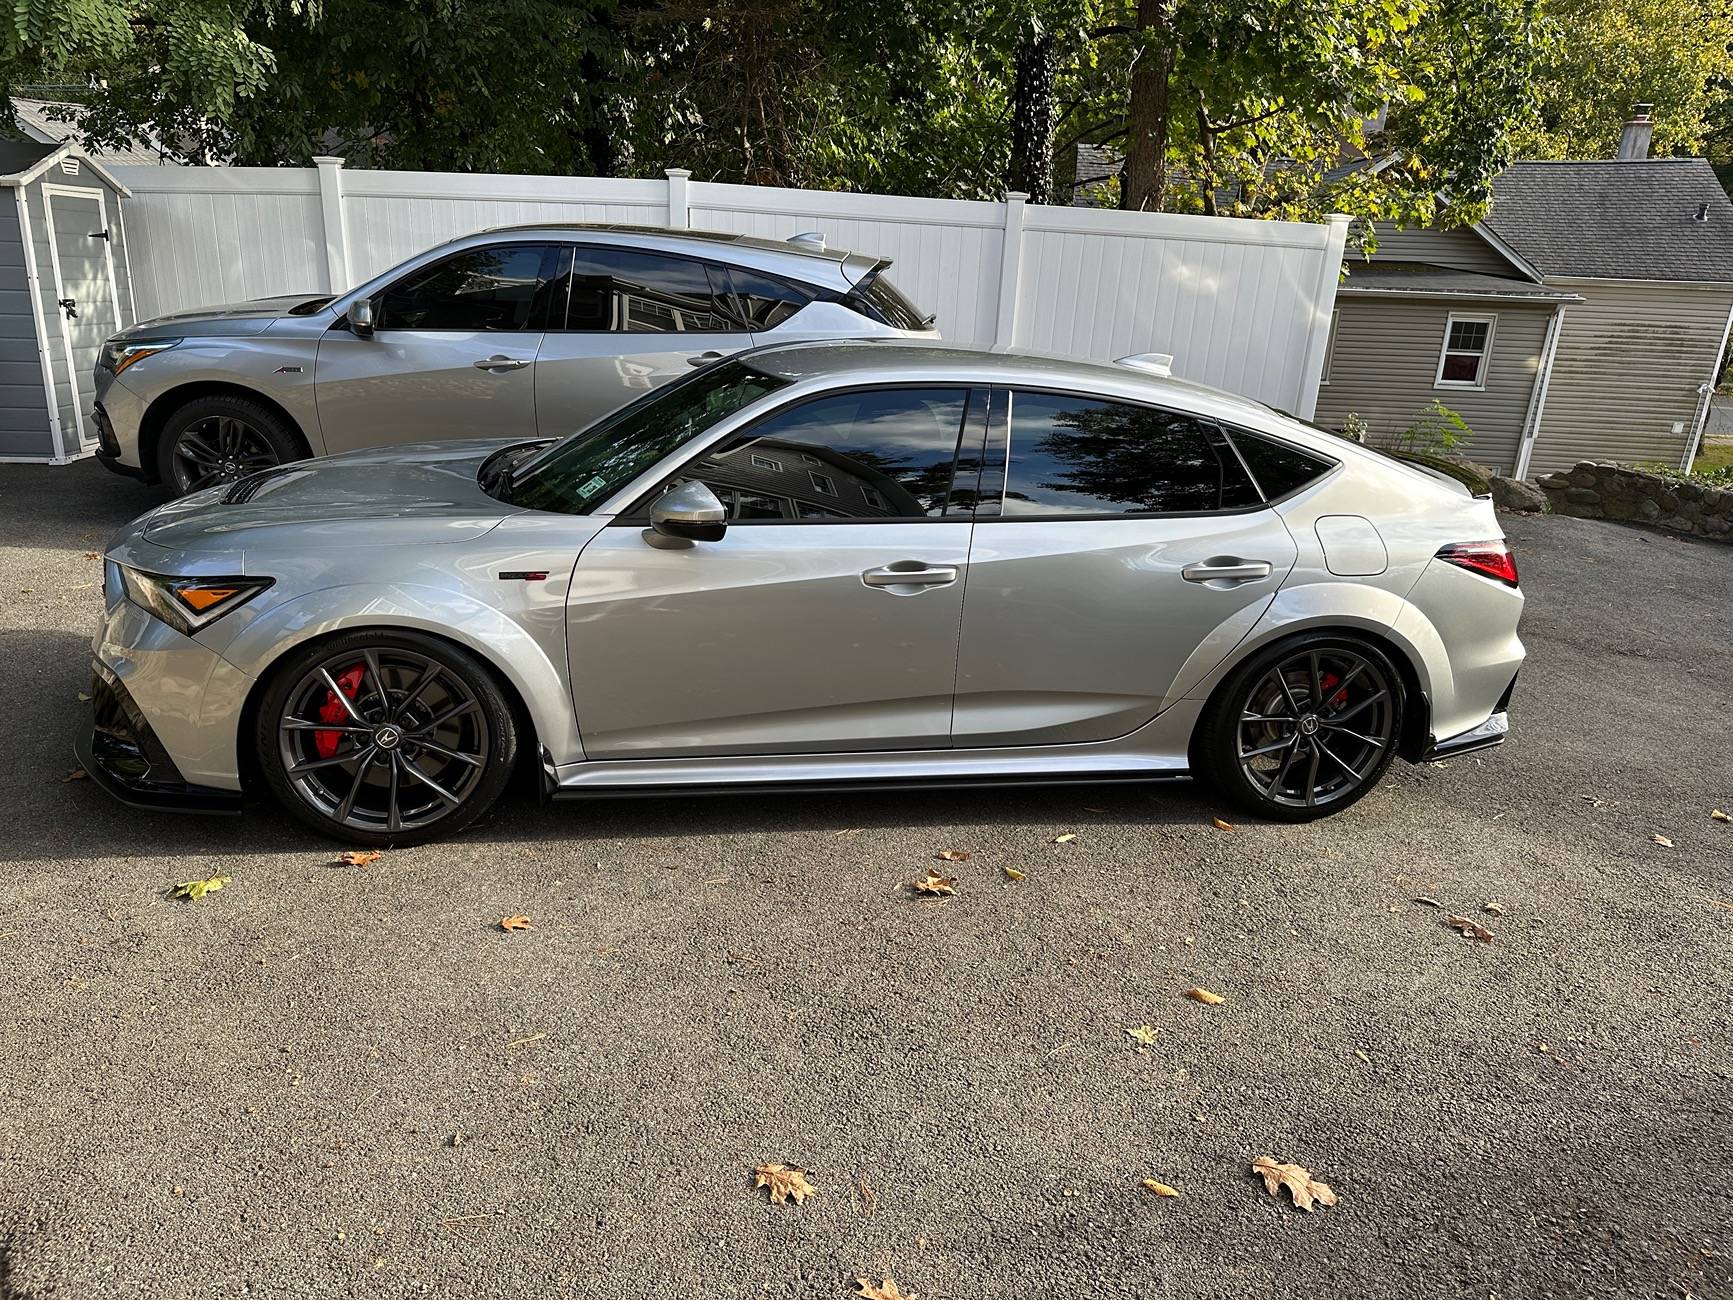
[
  {"x": 386, "y": 738},
  {"x": 219, "y": 439},
  {"x": 1304, "y": 728}
]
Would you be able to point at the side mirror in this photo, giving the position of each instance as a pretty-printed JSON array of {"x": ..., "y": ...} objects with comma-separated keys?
[
  {"x": 361, "y": 318},
  {"x": 691, "y": 512}
]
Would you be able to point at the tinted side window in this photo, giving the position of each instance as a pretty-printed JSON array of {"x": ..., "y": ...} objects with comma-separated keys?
[
  {"x": 879, "y": 454},
  {"x": 1081, "y": 456},
  {"x": 878, "y": 298},
  {"x": 1278, "y": 468},
  {"x": 615, "y": 290},
  {"x": 500, "y": 288},
  {"x": 760, "y": 301}
]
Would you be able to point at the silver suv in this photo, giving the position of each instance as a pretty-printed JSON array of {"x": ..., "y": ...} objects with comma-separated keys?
[{"x": 519, "y": 332}]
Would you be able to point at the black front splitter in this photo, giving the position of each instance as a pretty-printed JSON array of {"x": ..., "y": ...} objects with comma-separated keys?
[{"x": 155, "y": 796}]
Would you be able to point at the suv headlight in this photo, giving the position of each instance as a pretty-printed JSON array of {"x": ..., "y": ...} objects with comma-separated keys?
[
  {"x": 117, "y": 355},
  {"x": 188, "y": 604}
]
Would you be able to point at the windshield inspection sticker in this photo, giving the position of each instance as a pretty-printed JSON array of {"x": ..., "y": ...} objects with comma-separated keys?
[{"x": 593, "y": 486}]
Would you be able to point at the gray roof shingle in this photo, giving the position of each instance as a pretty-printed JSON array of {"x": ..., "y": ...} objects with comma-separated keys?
[
  {"x": 1631, "y": 220},
  {"x": 1423, "y": 279}
]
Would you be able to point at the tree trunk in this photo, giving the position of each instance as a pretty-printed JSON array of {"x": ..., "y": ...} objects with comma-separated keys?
[
  {"x": 1206, "y": 146},
  {"x": 1143, "y": 182},
  {"x": 1032, "y": 118}
]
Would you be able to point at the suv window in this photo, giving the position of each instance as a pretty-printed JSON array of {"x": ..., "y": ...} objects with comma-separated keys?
[
  {"x": 1083, "y": 456},
  {"x": 880, "y": 300},
  {"x": 1278, "y": 468},
  {"x": 872, "y": 454},
  {"x": 618, "y": 290},
  {"x": 759, "y": 300},
  {"x": 494, "y": 289}
]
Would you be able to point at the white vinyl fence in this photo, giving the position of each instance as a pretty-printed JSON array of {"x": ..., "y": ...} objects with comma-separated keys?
[{"x": 1241, "y": 305}]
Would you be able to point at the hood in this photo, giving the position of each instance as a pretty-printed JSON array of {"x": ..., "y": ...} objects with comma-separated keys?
[
  {"x": 253, "y": 317},
  {"x": 384, "y": 496}
]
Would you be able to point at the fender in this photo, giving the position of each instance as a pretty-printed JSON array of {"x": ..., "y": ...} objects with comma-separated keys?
[{"x": 484, "y": 631}]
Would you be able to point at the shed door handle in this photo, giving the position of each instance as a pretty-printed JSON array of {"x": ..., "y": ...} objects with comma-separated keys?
[
  {"x": 1225, "y": 570},
  {"x": 70, "y": 307}
]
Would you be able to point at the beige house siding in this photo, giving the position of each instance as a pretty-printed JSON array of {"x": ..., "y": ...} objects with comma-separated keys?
[
  {"x": 1462, "y": 249},
  {"x": 1629, "y": 361},
  {"x": 1384, "y": 367}
]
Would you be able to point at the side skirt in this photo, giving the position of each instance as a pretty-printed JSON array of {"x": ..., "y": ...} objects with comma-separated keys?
[{"x": 862, "y": 784}]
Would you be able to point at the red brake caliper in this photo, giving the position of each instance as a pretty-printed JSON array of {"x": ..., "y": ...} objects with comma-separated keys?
[
  {"x": 332, "y": 710},
  {"x": 1329, "y": 681}
]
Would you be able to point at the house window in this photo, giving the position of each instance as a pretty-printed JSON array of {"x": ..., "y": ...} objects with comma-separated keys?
[
  {"x": 1467, "y": 345},
  {"x": 822, "y": 482},
  {"x": 764, "y": 462},
  {"x": 1330, "y": 347}
]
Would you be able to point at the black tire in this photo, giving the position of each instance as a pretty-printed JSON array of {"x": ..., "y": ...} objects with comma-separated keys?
[
  {"x": 219, "y": 439},
  {"x": 1317, "y": 763},
  {"x": 426, "y": 755}
]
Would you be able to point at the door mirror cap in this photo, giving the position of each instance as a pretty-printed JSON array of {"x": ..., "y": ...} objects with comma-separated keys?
[
  {"x": 690, "y": 512},
  {"x": 361, "y": 317}
]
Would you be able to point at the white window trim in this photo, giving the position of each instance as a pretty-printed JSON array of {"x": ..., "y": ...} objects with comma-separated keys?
[
  {"x": 1490, "y": 320},
  {"x": 1330, "y": 346}
]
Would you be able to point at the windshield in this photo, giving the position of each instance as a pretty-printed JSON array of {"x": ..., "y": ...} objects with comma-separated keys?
[{"x": 593, "y": 464}]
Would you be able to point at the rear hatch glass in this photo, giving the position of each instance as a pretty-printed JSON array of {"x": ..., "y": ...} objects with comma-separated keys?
[{"x": 885, "y": 303}]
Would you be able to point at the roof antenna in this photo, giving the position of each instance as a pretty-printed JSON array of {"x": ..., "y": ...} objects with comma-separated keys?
[
  {"x": 813, "y": 239},
  {"x": 1702, "y": 212}
]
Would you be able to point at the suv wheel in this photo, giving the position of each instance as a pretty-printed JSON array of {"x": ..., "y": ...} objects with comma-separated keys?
[
  {"x": 215, "y": 440},
  {"x": 385, "y": 738},
  {"x": 1303, "y": 729}
]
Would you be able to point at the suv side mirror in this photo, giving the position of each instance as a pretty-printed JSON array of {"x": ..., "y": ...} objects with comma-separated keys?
[
  {"x": 691, "y": 512},
  {"x": 361, "y": 318}
]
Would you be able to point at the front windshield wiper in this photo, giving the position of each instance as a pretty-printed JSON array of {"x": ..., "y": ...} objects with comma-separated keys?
[{"x": 499, "y": 470}]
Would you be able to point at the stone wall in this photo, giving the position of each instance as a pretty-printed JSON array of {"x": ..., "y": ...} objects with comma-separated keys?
[{"x": 1603, "y": 490}]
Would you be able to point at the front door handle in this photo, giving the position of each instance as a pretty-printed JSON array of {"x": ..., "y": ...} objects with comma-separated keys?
[
  {"x": 704, "y": 358},
  {"x": 491, "y": 364},
  {"x": 1225, "y": 569},
  {"x": 907, "y": 577}
]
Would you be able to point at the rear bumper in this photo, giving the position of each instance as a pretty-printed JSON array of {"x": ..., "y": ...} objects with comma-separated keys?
[
  {"x": 1487, "y": 735},
  {"x": 123, "y": 755}
]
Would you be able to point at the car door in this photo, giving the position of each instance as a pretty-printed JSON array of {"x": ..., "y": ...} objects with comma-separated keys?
[
  {"x": 452, "y": 353},
  {"x": 825, "y": 620},
  {"x": 1122, "y": 540},
  {"x": 626, "y": 321}
]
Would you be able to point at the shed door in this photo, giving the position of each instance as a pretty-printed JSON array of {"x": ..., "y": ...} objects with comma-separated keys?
[{"x": 84, "y": 288}]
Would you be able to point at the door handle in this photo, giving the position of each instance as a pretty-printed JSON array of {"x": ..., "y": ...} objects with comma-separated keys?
[
  {"x": 704, "y": 358},
  {"x": 69, "y": 306},
  {"x": 500, "y": 363},
  {"x": 910, "y": 576},
  {"x": 1225, "y": 570}
]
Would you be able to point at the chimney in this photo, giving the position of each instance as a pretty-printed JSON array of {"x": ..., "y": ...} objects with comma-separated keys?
[{"x": 1634, "y": 144}]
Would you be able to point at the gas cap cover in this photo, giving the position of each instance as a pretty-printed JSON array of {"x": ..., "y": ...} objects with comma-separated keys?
[{"x": 1352, "y": 546}]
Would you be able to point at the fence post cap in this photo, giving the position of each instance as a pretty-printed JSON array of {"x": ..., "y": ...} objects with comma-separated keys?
[
  {"x": 327, "y": 160},
  {"x": 678, "y": 171},
  {"x": 1015, "y": 196}
]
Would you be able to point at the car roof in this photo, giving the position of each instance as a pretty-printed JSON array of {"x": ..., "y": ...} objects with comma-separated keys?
[
  {"x": 911, "y": 360},
  {"x": 796, "y": 259}
]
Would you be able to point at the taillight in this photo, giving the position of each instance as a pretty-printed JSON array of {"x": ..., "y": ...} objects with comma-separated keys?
[{"x": 1489, "y": 559}]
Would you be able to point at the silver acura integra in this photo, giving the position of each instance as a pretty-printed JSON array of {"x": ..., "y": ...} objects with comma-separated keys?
[
  {"x": 509, "y": 333},
  {"x": 858, "y": 564}
]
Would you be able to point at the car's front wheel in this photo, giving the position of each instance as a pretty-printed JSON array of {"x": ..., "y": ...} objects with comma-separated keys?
[
  {"x": 385, "y": 738},
  {"x": 221, "y": 438},
  {"x": 1302, "y": 729}
]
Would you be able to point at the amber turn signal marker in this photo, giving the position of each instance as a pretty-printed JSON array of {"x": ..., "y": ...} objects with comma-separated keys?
[{"x": 199, "y": 599}]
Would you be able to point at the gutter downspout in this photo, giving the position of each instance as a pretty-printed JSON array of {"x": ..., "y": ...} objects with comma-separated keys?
[
  {"x": 1537, "y": 399},
  {"x": 1707, "y": 392}
]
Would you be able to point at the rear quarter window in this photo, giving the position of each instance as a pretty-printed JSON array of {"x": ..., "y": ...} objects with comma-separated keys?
[{"x": 1279, "y": 468}]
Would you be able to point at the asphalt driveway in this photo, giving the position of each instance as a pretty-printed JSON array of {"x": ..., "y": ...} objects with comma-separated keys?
[{"x": 348, "y": 1081}]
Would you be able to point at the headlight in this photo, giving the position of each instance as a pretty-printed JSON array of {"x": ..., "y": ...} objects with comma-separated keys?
[
  {"x": 117, "y": 355},
  {"x": 188, "y": 604}
]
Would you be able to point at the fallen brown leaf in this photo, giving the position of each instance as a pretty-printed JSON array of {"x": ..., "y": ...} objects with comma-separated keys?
[
  {"x": 359, "y": 857},
  {"x": 1300, "y": 1184},
  {"x": 936, "y": 885},
  {"x": 1011, "y": 873},
  {"x": 1220, "y": 825},
  {"x": 1718, "y": 902},
  {"x": 1063, "y": 839},
  {"x": 1160, "y": 1189},
  {"x": 869, "y": 1199},
  {"x": 952, "y": 855},
  {"x": 1662, "y": 840},
  {"x": 76, "y": 774},
  {"x": 1143, "y": 1035},
  {"x": 1718, "y": 816},
  {"x": 516, "y": 923},
  {"x": 1428, "y": 902},
  {"x": 1492, "y": 909},
  {"x": 197, "y": 889},
  {"x": 1471, "y": 928},
  {"x": 92, "y": 555},
  {"x": 886, "y": 1290},
  {"x": 1198, "y": 993},
  {"x": 783, "y": 1182}
]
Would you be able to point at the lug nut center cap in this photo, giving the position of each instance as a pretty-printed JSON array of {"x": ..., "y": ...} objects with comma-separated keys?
[
  {"x": 1309, "y": 725},
  {"x": 388, "y": 737}
]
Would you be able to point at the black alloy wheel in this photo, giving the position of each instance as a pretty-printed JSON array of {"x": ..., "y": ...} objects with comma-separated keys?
[
  {"x": 1304, "y": 729},
  {"x": 386, "y": 738},
  {"x": 216, "y": 440}
]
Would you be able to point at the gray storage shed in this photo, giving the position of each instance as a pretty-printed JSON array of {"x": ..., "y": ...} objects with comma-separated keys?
[{"x": 64, "y": 289}]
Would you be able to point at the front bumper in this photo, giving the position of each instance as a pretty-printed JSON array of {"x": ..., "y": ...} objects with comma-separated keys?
[
  {"x": 123, "y": 755},
  {"x": 119, "y": 416}
]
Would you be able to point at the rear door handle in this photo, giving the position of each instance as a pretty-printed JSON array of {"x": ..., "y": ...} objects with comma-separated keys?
[
  {"x": 906, "y": 577},
  {"x": 1225, "y": 570},
  {"x": 500, "y": 363},
  {"x": 704, "y": 358}
]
